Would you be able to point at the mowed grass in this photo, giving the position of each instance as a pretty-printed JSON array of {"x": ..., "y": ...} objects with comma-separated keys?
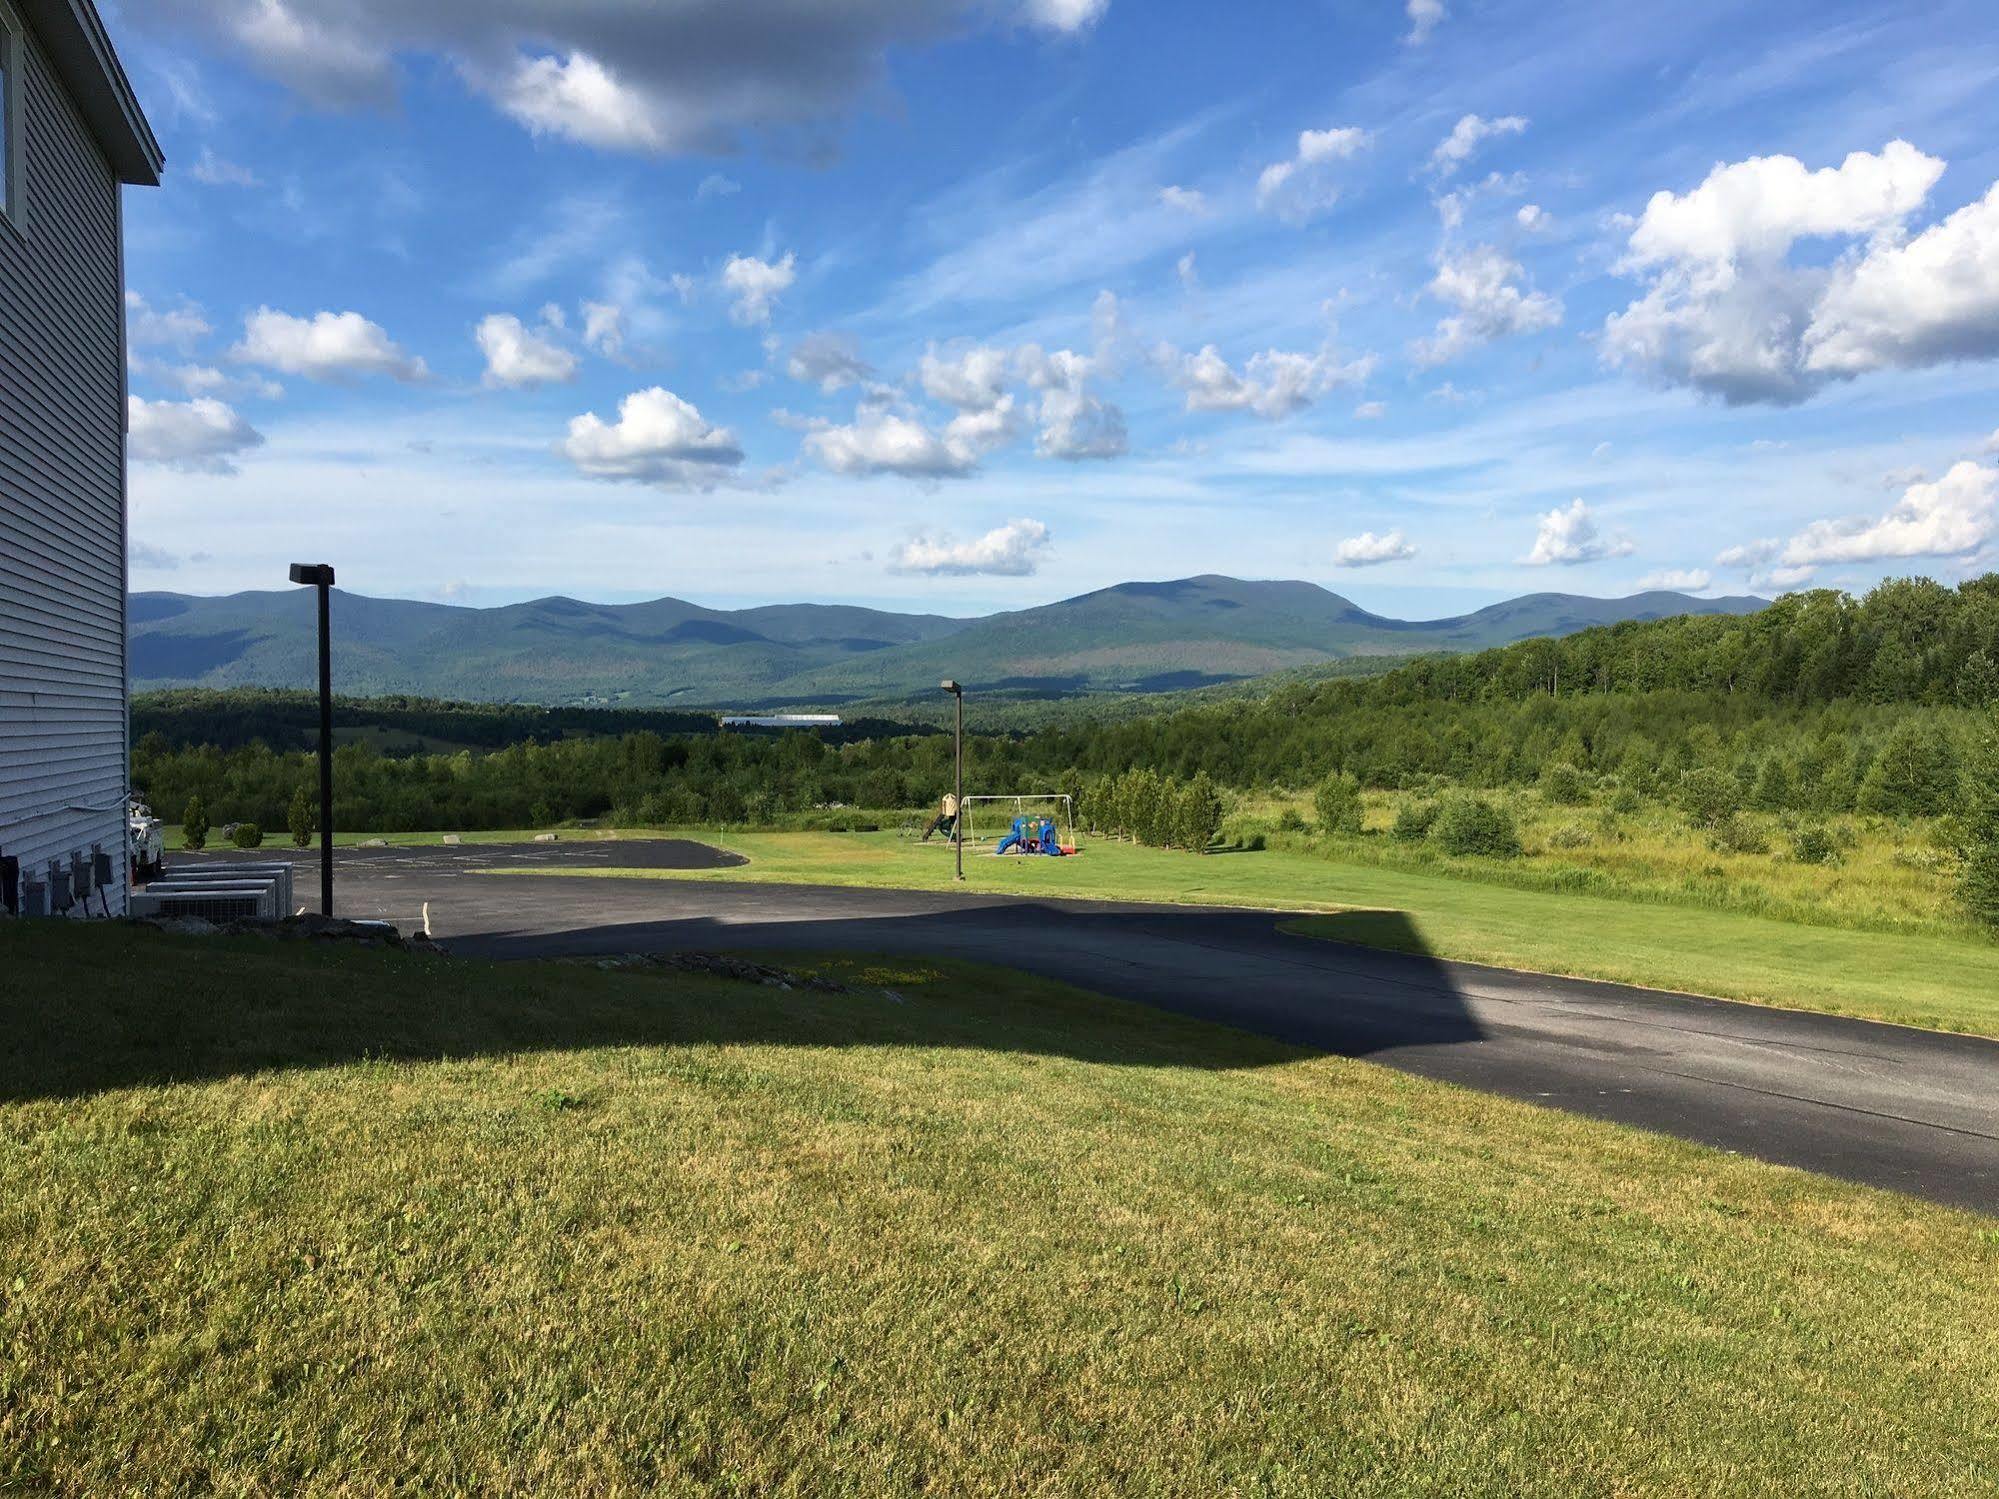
[
  {"x": 1936, "y": 980},
  {"x": 289, "y": 1220}
]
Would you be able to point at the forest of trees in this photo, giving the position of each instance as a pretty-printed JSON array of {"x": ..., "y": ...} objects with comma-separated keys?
[{"x": 1821, "y": 704}]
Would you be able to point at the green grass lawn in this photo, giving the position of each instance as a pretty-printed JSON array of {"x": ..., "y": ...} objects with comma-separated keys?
[
  {"x": 1936, "y": 980},
  {"x": 284, "y": 1219}
]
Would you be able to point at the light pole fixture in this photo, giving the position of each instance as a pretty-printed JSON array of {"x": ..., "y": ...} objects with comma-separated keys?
[
  {"x": 320, "y": 575},
  {"x": 958, "y": 822}
]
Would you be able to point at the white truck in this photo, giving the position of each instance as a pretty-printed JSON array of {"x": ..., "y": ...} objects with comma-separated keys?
[{"x": 146, "y": 843}]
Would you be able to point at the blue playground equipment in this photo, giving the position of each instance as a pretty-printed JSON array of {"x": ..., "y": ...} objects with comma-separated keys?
[{"x": 1031, "y": 835}]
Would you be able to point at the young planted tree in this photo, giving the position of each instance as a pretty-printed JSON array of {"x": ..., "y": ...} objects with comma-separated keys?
[
  {"x": 1979, "y": 883},
  {"x": 1338, "y": 804},
  {"x": 300, "y": 820},
  {"x": 1199, "y": 806},
  {"x": 194, "y": 825}
]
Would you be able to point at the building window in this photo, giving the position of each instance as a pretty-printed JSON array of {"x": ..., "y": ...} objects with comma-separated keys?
[{"x": 11, "y": 89}]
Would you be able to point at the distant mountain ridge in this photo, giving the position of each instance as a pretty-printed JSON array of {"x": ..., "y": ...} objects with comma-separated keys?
[{"x": 1142, "y": 637}]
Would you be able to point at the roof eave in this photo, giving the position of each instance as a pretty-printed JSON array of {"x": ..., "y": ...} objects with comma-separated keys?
[{"x": 74, "y": 36}]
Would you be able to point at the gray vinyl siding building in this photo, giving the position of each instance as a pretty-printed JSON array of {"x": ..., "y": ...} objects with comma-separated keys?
[{"x": 71, "y": 134}]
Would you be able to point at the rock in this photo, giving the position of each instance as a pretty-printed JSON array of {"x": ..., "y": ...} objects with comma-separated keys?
[
  {"x": 544, "y": 838},
  {"x": 452, "y": 840},
  {"x": 374, "y": 843}
]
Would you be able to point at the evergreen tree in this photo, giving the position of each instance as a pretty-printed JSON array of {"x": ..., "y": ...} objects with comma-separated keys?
[
  {"x": 1979, "y": 882},
  {"x": 1915, "y": 775},
  {"x": 194, "y": 825},
  {"x": 300, "y": 820},
  {"x": 1773, "y": 790}
]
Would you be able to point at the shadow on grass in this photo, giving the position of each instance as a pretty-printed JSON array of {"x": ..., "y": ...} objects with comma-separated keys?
[{"x": 90, "y": 1007}]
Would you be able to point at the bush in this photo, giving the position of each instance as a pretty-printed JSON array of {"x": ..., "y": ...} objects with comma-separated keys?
[
  {"x": 1289, "y": 821},
  {"x": 1469, "y": 824},
  {"x": 300, "y": 819},
  {"x": 247, "y": 835},
  {"x": 1738, "y": 835},
  {"x": 1337, "y": 801},
  {"x": 1413, "y": 821},
  {"x": 194, "y": 825},
  {"x": 1571, "y": 835},
  {"x": 1814, "y": 844},
  {"x": 1626, "y": 801},
  {"x": 1564, "y": 785},
  {"x": 1710, "y": 797}
]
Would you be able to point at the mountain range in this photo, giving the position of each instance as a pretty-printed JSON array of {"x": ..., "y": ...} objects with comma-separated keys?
[{"x": 1134, "y": 637}]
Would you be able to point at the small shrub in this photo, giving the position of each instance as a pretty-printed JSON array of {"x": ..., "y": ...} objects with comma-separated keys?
[
  {"x": 1413, "y": 821},
  {"x": 247, "y": 835},
  {"x": 1338, "y": 804},
  {"x": 1571, "y": 835},
  {"x": 1564, "y": 785},
  {"x": 1254, "y": 843},
  {"x": 1710, "y": 797},
  {"x": 1468, "y": 824},
  {"x": 1738, "y": 835},
  {"x": 1290, "y": 821},
  {"x": 1814, "y": 844},
  {"x": 1627, "y": 801}
]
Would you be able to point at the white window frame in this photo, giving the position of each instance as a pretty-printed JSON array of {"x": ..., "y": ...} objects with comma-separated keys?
[{"x": 13, "y": 100}]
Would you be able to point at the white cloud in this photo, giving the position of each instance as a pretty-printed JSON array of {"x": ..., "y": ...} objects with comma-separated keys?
[
  {"x": 658, "y": 439},
  {"x": 1677, "y": 580},
  {"x": 827, "y": 360},
  {"x": 578, "y": 98},
  {"x": 885, "y": 442},
  {"x": 1075, "y": 425},
  {"x": 1567, "y": 535},
  {"x": 1304, "y": 186},
  {"x": 1186, "y": 199},
  {"x": 1481, "y": 283},
  {"x": 1951, "y": 517},
  {"x": 518, "y": 357},
  {"x": 1930, "y": 301},
  {"x": 177, "y": 327},
  {"x": 715, "y": 185},
  {"x": 1273, "y": 384},
  {"x": 1370, "y": 550},
  {"x": 148, "y": 558},
  {"x": 755, "y": 284},
  {"x": 326, "y": 346},
  {"x": 1424, "y": 17},
  {"x": 1533, "y": 218},
  {"x": 1370, "y": 411},
  {"x": 1470, "y": 132},
  {"x": 1188, "y": 272},
  {"x": 1748, "y": 555},
  {"x": 1992, "y": 443},
  {"x": 201, "y": 436},
  {"x": 972, "y": 379},
  {"x": 212, "y": 171},
  {"x": 1731, "y": 314},
  {"x": 604, "y": 328},
  {"x": 1013, "y": 550}
]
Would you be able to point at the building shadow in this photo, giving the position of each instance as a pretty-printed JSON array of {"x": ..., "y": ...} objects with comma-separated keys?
[{"x": 104, "y": 1007}]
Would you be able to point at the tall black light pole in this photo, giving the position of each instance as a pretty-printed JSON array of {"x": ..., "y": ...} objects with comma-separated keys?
[
  {"x": 320, "y": 575},
  {"x": 958, "y": 822}
]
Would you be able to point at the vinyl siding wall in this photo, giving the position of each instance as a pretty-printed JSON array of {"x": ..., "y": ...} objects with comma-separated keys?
[{"x": 63, "y": 721}]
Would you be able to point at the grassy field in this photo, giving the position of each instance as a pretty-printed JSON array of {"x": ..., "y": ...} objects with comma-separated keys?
[
  {"x": 1892, "y": 876},
  {"x": 285, "y": 1219}
]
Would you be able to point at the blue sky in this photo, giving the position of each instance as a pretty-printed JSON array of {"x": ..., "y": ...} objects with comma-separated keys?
[{"x": 961, "y": 306}]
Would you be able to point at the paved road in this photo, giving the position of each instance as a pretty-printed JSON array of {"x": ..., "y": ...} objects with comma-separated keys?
[{"x": 1907, "y": 1109}]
